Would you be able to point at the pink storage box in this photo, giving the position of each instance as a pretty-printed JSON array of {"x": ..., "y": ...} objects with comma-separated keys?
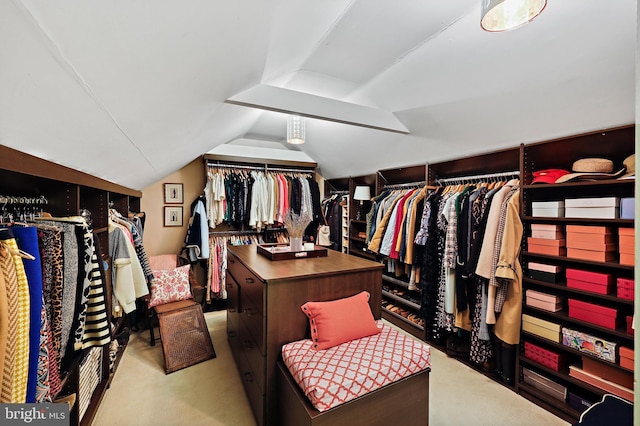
[{"x": 548, "y": 302}]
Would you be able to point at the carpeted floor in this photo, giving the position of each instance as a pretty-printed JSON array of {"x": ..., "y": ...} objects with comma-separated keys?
[{"x": 211, "y": 393}]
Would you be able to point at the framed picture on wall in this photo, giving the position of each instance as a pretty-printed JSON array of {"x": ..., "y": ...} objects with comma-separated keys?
[
  {"x": 173, "y": 193},
  {"x": 172, "y": 216}
]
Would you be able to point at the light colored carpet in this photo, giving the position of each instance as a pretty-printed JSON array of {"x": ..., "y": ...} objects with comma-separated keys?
[{"x": 211, "y": 393}]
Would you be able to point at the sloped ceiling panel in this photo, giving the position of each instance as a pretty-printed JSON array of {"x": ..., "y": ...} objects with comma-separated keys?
[{"x": 132, "y": 91}]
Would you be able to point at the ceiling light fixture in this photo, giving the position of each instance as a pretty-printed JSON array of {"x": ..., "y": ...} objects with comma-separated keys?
[
  {"x": 295, "y": 129},
  {"x": 505, "y": 15}
]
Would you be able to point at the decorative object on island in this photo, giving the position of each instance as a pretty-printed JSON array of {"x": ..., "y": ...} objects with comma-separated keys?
[
  {"x": 361, "y": 193},
  {"x": 296, "y": 224}
]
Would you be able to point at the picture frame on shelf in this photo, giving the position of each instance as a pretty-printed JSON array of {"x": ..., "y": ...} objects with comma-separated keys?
[
  {"x": 173, "y": 216},
  {"x": 173, "y": 193}
]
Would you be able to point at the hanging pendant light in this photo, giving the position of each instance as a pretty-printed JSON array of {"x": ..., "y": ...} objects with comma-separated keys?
[
  {"x": 295, "y": 129},
  {"x": 505, "y": 15}
]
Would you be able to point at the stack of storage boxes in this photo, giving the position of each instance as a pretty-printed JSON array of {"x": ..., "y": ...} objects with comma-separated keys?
[
  {"x": 547, "y": 239},
  {"x": 544, "y": 301},
  {"x": 595, "y": 282},
  {"x": 549, "y": 358},
  {"x": 592, "y": 208},
  {"x": 610, "y": 379},
  {"x": 625, "y": 288},
  {"x": 596, "y": 243},
  {"x": 594, "y": 314},
  {"x": 626, "y": 246},
  {"x": 544, "y": 384},
  {"x": 539, "y": 327}
]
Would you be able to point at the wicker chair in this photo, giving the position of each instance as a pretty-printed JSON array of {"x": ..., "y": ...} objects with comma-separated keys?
[{"x": 182, "y": 326}]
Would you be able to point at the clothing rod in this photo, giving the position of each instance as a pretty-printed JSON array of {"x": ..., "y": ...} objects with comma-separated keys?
[
  {"x": 477, "y": 177},
  {"x": 284, "y": 169},
  {"x": 405, "y": 185},
  {"x": 231, "y": 233},
  {"x": 338, "y": 192},
  {"x": 261, "y": 168}
]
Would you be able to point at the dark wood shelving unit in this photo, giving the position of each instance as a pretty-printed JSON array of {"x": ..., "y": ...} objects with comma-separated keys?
[
  {"x": 616, "y": 145},
  {"x": 67, "y": 191}
]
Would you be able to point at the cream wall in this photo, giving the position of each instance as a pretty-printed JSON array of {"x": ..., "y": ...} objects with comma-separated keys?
[{"x": 159, "y": 239}]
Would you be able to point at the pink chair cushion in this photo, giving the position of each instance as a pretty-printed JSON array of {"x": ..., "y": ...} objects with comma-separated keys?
[{"x": 163, "y": 262}]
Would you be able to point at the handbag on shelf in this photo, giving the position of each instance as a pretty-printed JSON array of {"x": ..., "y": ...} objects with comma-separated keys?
[{"x": 324, "y": 233}]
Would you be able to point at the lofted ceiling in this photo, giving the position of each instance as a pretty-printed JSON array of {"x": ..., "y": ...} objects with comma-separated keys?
[{"x": 132, "y": 91}]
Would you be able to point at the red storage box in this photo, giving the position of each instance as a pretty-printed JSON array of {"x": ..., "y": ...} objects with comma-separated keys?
[
  {"x": 625, "y": 288},
  {"x": 626, "y": 358},
  {"x": 629, "y": 319},
  {"x": 627, "y": 244},
  {"x": 594, "y": 314},
  {"x": 548, "y": 358},
  {"x": 595, "y": 282},
  {"x": 607, "y": 372}
]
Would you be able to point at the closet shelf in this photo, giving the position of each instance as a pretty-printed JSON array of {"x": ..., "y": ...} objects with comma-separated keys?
[
  {"x": 400, "y": 299},
  {"x": 403, "y": 319},
  {"x": 540, "y": 398},
  {"x": 563, "y": 317},
  {"x": 566, "y": 259},
  {"x": 565, "y": 187},
  {"x": 604, "y": 222},
  {"x": 397, "y": 281},
  {"x": 577, "y": 353},
  {"x": 564, "y": 288}
]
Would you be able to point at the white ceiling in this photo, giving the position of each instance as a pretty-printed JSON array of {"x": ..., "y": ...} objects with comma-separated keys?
[{"x": 131, "y": 91}]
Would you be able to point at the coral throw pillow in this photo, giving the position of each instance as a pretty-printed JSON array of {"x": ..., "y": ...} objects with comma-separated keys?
[
  {"x": 170, "y": 286},
  {"x": 339, "y": 321}
]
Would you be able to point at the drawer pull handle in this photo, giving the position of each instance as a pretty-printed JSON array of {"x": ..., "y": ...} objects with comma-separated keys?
[
  {"x": 248, "y": 377},
  {"x": 231, "y": 333},
  {"x": 249, "y": 280},
  {"x": 232, "y": 309},
  {"x": 231, "y": 261},
  {"x": 249, "y": 312},
  {"x": 247, "y": 344},
  {"x": 229, "y": 286}
]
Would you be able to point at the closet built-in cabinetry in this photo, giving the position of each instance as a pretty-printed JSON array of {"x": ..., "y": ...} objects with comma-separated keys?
[
  {"x": 65, "y": 192},
  {"x": 264, "y": 310},
  {"x": 400, "y": 301},
  {"x": 615, "y": 145}
]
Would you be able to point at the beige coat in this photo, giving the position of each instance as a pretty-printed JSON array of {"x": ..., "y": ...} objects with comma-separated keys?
[{"x": 509, "y": 271}]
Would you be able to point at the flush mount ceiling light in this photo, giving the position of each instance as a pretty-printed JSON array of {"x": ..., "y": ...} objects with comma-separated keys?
[
  {"x": 295, "y": 129},
  {"x": 505, "y": 15}
]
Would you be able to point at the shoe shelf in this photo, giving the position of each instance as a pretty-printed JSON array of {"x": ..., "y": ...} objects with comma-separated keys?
[{"x": 402, "y": 300}]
